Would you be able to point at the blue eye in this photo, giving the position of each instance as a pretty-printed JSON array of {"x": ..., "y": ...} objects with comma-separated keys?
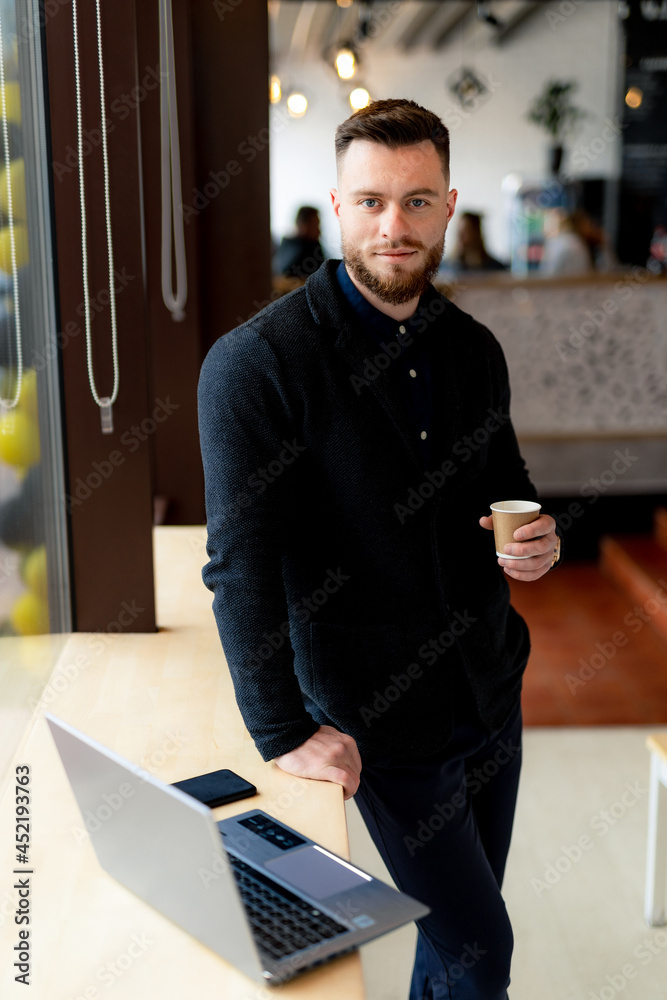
[
  {"x": 367, "y": 200},
  {"x": 420, "y": 200}
]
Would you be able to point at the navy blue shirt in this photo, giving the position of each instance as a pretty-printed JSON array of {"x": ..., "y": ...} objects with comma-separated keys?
[{"x": 411, "y": 370}]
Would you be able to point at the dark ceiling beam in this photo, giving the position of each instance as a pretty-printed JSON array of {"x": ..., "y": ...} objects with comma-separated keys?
[
  {"x": 465, "y": 12},
  {"x": 341, "y": 25},
  {"x": 416, "y": 31},
  {"x": 527, "y": 10}
]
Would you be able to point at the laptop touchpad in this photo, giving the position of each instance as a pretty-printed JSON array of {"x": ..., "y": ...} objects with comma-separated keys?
[{"x": 316, "y": 872}]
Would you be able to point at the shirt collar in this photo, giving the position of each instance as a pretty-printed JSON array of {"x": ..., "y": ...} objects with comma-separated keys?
[{"x": 377, "y": 323}]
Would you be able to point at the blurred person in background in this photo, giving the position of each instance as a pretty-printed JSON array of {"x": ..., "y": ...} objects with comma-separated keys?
[
  {"x": 300, "y": 255},
  {"x": 565, "y": 249},
  {"x": 595, "y": 237},
  {"x": 470, "y": 253}
]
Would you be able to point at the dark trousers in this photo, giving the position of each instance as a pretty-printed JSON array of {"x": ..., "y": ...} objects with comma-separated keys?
[{"x": 443, "y": 825}]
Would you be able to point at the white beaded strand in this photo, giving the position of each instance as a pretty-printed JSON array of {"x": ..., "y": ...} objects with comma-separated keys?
[{"x": 106, "y": 402}]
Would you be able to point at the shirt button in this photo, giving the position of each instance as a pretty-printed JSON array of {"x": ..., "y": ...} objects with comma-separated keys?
[
  {"x": 423, "y": 435},
  {"x": 401, "y": 329},
  {"x": 413, "y": 373}
]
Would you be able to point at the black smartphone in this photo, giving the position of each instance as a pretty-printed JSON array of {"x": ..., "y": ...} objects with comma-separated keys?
[{"x": 217, "y": 787}]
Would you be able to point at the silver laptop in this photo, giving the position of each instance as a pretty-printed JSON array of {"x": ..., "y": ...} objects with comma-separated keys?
[{"x": 265, "y": 897}]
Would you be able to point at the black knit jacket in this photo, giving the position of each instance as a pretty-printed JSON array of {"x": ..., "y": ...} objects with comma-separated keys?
[{"x": 351, "y": 586}]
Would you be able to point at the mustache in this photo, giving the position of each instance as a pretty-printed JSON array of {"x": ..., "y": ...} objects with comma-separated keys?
[{"x": 400, "y": 245}]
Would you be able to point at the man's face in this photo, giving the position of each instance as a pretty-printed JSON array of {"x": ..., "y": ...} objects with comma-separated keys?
[{"x": 393, "y": 206}]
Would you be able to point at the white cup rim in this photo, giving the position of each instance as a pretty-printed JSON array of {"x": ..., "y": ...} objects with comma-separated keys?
[{"x": 516, "y": 506}]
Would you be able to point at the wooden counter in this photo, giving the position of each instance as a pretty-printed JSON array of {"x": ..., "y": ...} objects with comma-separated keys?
[{"x": 165, "y": 701}]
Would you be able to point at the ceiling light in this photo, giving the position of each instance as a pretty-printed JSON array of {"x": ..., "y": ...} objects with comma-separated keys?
[
  {"x": 296, "y": 105},
  {"x": 345, "y": 64},
  {"x": 360, "y": 98},
  {"x": 275, "y": 92}
]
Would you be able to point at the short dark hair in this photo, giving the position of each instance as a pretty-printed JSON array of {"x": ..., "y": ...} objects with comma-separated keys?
[
  {"x": 395, "y": 123},
  {"x": 474, "y": 218},
  {"x": 305, "y": 214}
]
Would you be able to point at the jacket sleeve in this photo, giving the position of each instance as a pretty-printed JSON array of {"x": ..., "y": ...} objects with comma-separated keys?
[
  {"x": 505, "y": 474},
  {"x": 249, "y": 445}
]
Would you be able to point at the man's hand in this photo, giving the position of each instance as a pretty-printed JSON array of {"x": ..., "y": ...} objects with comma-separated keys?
[
  {"x": 537, "y": 540},
  {"x": 327, "y": 755}
]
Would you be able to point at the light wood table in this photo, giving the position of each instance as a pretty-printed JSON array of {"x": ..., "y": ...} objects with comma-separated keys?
[
  {"x": 656, "y": 856},
  {"x": 166, "y": 702}
]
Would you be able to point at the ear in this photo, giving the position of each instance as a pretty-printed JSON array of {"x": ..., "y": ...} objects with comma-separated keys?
[
  {"x": 335, "y": 201},
  {"x": 451, "y": 203}
]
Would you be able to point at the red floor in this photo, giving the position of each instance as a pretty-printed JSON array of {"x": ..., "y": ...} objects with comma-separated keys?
[{"x": 596, "y": 658}]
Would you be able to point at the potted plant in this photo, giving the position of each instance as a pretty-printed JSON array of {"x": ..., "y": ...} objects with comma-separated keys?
[{"x": 554, "y": 111}]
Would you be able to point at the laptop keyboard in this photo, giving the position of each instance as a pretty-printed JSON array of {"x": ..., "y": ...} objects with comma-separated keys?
[{"x": 281, "y": 922}]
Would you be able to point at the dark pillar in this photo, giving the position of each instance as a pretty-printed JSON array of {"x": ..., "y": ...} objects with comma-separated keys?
[
  {"x": 231, "y": 198},
  {"x": 109, "y": 491}
]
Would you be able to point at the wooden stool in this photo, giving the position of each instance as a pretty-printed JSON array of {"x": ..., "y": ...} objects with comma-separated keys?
[{"x": 656, "y": 857}]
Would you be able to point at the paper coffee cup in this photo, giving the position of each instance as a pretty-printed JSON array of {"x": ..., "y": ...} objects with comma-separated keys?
[{"x": 508, "y": 515}]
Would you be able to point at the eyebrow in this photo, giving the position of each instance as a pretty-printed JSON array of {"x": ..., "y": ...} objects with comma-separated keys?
[{"x": 410, "y": 194}]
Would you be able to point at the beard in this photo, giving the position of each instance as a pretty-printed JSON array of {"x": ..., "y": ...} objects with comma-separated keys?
[{"x": 401, "y": 287}]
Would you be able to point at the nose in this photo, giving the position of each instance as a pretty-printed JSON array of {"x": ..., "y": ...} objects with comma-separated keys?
[{"x": 394, "y": 224}]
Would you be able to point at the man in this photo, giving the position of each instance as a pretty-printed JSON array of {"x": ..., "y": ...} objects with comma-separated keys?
[
  {"x": 299, "y": 256},
  {"x": 352, "y": 435}
]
